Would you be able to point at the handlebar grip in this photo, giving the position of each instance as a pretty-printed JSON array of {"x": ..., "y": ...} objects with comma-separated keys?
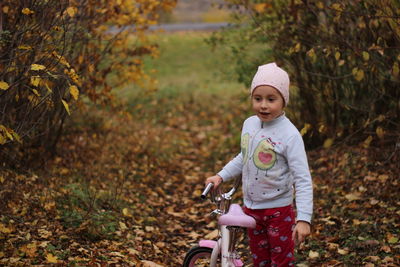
[{"x": 206, "y": 190}]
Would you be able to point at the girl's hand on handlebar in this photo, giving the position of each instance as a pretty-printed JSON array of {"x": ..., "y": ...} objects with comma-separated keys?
[{"x": 216, "y": 180}]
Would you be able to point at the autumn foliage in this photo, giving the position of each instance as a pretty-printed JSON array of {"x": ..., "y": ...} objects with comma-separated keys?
[
  {"x": 59, "y": 55},
  {"x": 123, "y": 187},
  {"x": 343, "y": 58}
]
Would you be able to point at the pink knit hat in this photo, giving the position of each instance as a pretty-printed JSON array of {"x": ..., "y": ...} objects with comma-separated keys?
[{"x": 270, "y": 74}]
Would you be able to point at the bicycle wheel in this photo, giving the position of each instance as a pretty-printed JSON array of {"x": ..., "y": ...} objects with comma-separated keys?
[{"x": 198, "y": 257}]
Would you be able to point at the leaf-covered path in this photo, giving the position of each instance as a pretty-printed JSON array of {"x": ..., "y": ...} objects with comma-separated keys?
[{"x": 124, "y": 191}]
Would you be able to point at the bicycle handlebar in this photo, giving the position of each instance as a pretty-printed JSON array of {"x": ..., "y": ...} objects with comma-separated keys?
[{"x": 206, "y": 190}]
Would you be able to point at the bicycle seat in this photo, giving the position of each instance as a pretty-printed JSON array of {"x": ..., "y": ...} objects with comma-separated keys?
[{"x": 236, "y": 217}]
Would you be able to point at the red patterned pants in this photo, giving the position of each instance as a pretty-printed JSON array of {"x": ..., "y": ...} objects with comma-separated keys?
[{"x": 271, "y": 241}]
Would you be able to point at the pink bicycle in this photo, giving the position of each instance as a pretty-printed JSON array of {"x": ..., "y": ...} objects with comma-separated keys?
[{"x": 231, "y": 222}]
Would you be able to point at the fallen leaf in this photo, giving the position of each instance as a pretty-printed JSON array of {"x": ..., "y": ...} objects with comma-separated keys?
[
  {"x": 122, "y": 226},
  {"x": 126, "y": 212},
  {"x": 4, "y": 229},
  {"x": 313, "y": 254},
  {"x": 150, "y": 264},
  {"x": 50, "y": 258},
  {"x": 373, "y": 258},
  {"x": 352, "y": 196},
  {"x": 212, "y": 235},
  {"x": 393, "y": 240},
  {"x": 333, "y": 246}
]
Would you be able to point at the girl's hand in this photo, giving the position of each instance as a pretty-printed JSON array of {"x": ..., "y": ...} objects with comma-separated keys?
[
  {"x": 216, "y": 180},
  {"x": 301, "y": 231}
]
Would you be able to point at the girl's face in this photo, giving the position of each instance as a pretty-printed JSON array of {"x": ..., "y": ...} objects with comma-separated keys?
[{"x": 267, "y": 103}]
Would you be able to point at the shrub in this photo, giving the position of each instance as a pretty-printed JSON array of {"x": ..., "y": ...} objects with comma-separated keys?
[
  {"x": 59, "y": 54},
  {"x": 343, "y": 58}
]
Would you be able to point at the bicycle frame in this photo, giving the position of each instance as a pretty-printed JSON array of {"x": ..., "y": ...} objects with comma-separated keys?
[{"x": 231, "y": 221}]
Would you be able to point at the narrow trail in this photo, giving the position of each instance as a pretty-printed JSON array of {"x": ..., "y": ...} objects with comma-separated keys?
[{"x": 148, "y": 175}]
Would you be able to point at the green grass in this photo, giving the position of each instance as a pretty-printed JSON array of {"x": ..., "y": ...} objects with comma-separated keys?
[{"x": 188, "y": 65}]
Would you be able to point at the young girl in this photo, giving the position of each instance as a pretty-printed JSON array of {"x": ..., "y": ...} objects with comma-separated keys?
[{"x": 274, "y": 167}]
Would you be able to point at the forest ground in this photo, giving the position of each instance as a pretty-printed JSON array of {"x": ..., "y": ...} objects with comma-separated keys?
[{"x": 123, "y": 187}]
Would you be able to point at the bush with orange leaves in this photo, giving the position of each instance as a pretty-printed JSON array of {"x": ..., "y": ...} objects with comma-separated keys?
[{"x": 58, "y": 54}]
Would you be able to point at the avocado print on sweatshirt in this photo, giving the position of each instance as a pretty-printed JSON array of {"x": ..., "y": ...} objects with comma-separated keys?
[
  {"x": 264, "y": 156},
  {"x": 244, "y": 145}
]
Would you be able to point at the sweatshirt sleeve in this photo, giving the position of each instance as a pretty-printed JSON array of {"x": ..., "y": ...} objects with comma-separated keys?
[
  {"x": 232, "y": 169},
  {"x": 298, "y": 164}
]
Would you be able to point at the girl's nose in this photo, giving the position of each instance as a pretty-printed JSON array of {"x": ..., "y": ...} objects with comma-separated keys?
[{"x": 264, "y": 104}]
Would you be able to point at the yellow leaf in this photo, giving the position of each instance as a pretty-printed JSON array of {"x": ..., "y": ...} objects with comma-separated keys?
[
  {"x": 126, "y": 212},
  {"x": 260, "y": 8},
  {"x": 352, "y": 196},
  {"x": 27, "y": 11},
  {"x": 312, "y": 55},
  {"x": 297, "y": 47},
  {"x": 51, "y": 258},
  {"x": 367, "y": 142},
  {"x": 6, "y": 9},
  {"x": 122, "y": 226},
  {"x": 383, "y": 177},
  {"x": 8, "y": 134},
  {"x": 4, "y": 230},
  {"x": 393, "y": 240},
  {"x": 66, "y": 106},
  {"x": 380, "y": 132},
  {"x": 320, "y": 5},
  {"x": 37, "y": 67},
  {"x": 337, "y": 55},
  {"x": 2, "y": 142},
  {"x": 29, "y": 249},
  {"x": 35, "y": 80},
  {"x": 25, "y": 47},
  {"x": 146, "y": 263},
  {"x": 305, "y": 129},
  {"x": 36, "y": 92},
  {"x": 313, "y": 254},
  {"x": 322, "y": 128},
  {"x": 71, "y": 11},
  {"x": 359, "y": 75},
  {"x": 16, "y": 137},
  {"x": 61, "y": 59},
  {"x": 395, "y": 69},
  {"x": 328, "y": 143},
  {"x": 343, "y": 251},
  {"x": 365, "y": 55},
  {"x": 73, "y": 90},
  {"x": 337, "y": 7},
  {"x": 4, "y": 85}
]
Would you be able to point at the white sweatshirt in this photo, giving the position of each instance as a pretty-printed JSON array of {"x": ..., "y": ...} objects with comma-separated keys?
[{"x": 273, "y": 164}]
